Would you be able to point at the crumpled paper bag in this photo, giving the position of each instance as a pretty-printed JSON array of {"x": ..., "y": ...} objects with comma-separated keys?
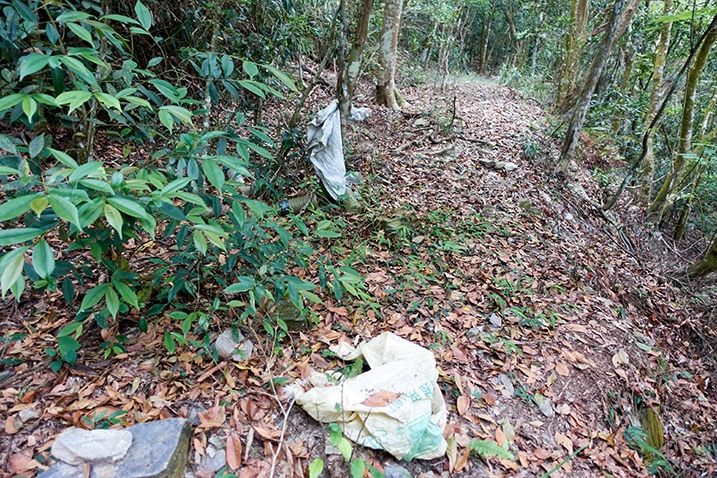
[{"x": 396, "y": 406}]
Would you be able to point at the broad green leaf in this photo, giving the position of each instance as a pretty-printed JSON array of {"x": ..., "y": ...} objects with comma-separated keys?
[
  {"x": 358, "y": 468},
  {"x": 114, "y": 218},
  {"x": 214, "y": 173},
  {"x": 12, "y": 264},
  {"x": 250, "y": 68},
  {"x": 65, "y": 209},
  {"x": 64, "y": 158},
  {"x": 262, "y": 152},
  {"x": 345, "y": 448},
  {"x": 36, "y": 146},
  {"x": 75, "y": 328},
  {"x": 7, "y": 144},
  {"x": 73, "y": 16},
  {"x": 227, "y": 65},
  {"x": 39, "y": 204},
  {"x": 43, "y": 259},
  {"x": 74, "y": 98},
  {"x": 29, "y": 107},
  {"x": 80, "y": 70},
  {"x": 129, "y": 207},
  {"x": 97, "y": 185},
  {"x": 143, "y": 15},
  {"x": 25, "y": 11},
  {"x": 93, "y": 169},
  {"x": 108, "y": 100},
  {"x": 44, "y": 99},
  {"x": 137, "y": 101},
  {"x": 8, "y": 237},
  {"x": 5, "y": 170},
  {"x": 9, "y": 101},
  {"x": 68, "y": 347},
  {"x": 283, "y": 77},
  {"x": 166, "y": 119},
  {"x": 32, "y": 64},
  {"x": 126, "y": 293},
  {"x": 81, "y": 32},
  {"x": 245, "y": 284},
  {"x": 16, "y": 207},
  {"x": 120, "y": 18},
  {"x": 316, "y": 467},
  {"x": 112, "y": 301},
  {"x": 18, "y": 287},
  {"x": 182, "y": 114},
  {"x": 174, "y": 186},
  {"x": 155, "y": 61},
  {"x": 200, "y": 242},
  {"x": 93, "y": 296},
  {"x": 252, "y": 86}
]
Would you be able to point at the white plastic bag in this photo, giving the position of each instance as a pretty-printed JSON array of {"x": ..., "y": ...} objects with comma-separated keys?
[
  {"x": 323, "y": 137},
  {"x": 396, "y": 406}
]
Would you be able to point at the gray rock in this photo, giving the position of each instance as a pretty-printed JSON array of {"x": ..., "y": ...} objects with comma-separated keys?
[
  {"x": 239, "y": 350},
  {"x": 213, "y": 460},
  {"x": 508, "y": 388},
  {"x": 546, "y": 407},
  {"x": 495, "y": 320},
  {"x": 29, "y": 414},
  {"x": 76, "y": 446},
  {"x": 159, "y": 450},
  {"x": 510, "y": 166},
  {"x": 395, "y": 470}
]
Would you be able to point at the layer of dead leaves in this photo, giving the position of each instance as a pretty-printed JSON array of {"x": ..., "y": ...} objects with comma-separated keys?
[{"x": 513, "y": 279}]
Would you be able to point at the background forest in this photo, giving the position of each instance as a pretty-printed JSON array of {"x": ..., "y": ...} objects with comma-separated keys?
[{"x": 148, "y": 149}]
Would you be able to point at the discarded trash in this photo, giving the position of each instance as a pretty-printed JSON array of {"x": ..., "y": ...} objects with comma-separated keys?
[
  {"x": 396, "y": 406},
  {"x": 323, "y": 136}
]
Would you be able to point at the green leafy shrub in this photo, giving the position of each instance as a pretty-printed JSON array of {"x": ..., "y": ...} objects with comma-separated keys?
[{"x": 82, "y": 219}]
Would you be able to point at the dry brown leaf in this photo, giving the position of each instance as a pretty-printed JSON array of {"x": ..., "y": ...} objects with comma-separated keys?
[
  {"x": 212, "y": 418},
  {"x": 268, "y": 433},
  {"x": 542, "y": 454},
  {"x": 562, "y": 369},
  {"x": 234, "y": 451},
  {"x": 500, "y": 437},
  {"x": 12, "y": 424},
  {"x": 564, "y": 441},
  {"x": 462, "y": 404},
  {"x": 380, "y": 399}
]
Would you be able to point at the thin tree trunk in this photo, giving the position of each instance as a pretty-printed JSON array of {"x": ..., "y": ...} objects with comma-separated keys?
[
  {"x": 648, "y": 164},
  {"x": 593, "y": 75},
  {"x": 675, "y": 177},
  {"x": 706, "y": 265},
  {"x": 574, "y": 43},
  {"x": 386, "y": 74},
  {"x": 352, "y": 69}
]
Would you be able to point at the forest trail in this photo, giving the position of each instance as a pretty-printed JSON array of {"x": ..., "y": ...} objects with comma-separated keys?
[{"x": 548, "y": 327}]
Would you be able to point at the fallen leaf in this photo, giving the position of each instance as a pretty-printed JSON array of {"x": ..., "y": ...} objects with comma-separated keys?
[
  {"x": 562, "y": 369},
  {"x": 268, "y": 433},
  {"x": 234, "y": 450},
  {"x": 380, "y": 399},
  {"x": 212, "y": 418},
  {"x": 462, "y": 404}
]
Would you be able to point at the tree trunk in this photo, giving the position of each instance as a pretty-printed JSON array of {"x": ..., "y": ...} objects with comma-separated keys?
[
  {"x": 350, "y": 74},
  {"x": 648, "y": 165},
  {"x": 706, "y": 265},
  {"x": 574, "y": 43},
  {"x": 593, "y": 75},
  {"x": 675, "y": 178},
  {"x": 484, "y": 47},
  {"x": 385, "y": 76},
  {"x": 618, "y": 118}
]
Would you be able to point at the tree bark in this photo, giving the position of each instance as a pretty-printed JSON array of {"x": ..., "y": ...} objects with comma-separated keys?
[
  {"x": 386, "y": 74},
  {"x": 574, "y": 43},
  {"x": 593, "y": 75},
  {"x": 706, "y": 265},
  {"x": 675, "y": 178},
  {"x": 648, "y": 165},
  {"x": 350, "y": 74}
]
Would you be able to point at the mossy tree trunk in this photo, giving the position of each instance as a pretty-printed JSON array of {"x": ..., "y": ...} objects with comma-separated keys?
[
  {"x": 706, "y": 265},
  {"x": 386, "y": 93},
  {"x": 574, "y": 44},
  {"x": 676, "y": 178},
  {"x": 658, "y": 72},
  {"x": 351, "y": 68}
]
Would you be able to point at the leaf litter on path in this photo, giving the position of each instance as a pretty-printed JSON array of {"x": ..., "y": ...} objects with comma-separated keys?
[{"x": 546, "y": 332}]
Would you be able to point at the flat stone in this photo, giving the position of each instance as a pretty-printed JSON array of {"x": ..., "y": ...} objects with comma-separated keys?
[
  {"x": 76, "y": 446},
  {"x": 510, "y": 166},
  {"x": 395, "y": 470},
  {"x": 239, "y": 350},
  {"x": 213, "y": 460},
  {"x": 159, "y": 450}
]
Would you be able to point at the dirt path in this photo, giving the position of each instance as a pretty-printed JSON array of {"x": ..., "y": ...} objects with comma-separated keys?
[{"x": 547, "y": 325}]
